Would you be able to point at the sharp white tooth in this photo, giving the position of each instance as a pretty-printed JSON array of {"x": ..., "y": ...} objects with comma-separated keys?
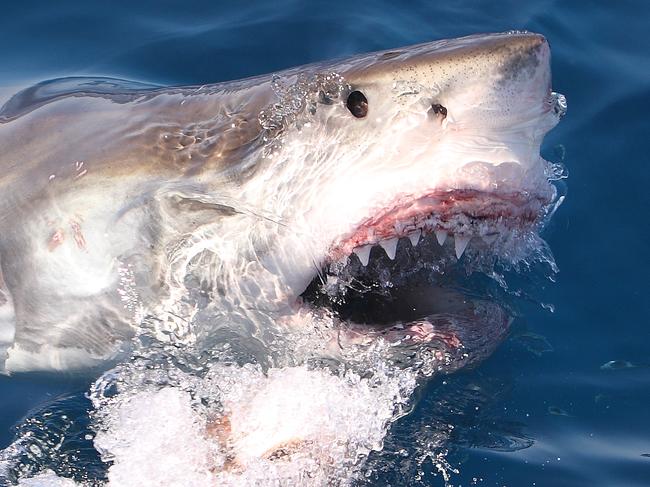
[
  {"x": 363, "y": 253},
  {"x": 390, "y": 246},
  {"x": 489, "y": 239},
  {"x": 460, "y": 243},
  {"x": 415, "y": 237},
  {"x": 441, "y": 236}
]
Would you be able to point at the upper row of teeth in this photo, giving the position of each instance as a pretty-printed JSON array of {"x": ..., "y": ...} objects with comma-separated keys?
[{"x": 390, "y": 245}]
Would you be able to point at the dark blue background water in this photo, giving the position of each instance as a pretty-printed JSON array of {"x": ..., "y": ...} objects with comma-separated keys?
[{"x": 589, "y": 425}]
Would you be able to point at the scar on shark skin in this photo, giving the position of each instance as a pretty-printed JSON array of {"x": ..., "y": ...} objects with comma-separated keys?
[
  {"x": 58, "y": 237},
  {"x": 55, "y": 240},
  {"x": 78, "y": 235}
]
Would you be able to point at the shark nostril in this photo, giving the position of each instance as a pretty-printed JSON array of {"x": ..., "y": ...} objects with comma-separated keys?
[
  {"x": 438, "y": 109},
  {"x": 357, "y": 103}
]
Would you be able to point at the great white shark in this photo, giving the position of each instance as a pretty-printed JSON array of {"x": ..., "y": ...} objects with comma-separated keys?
[{"x": 118, "y": 201}]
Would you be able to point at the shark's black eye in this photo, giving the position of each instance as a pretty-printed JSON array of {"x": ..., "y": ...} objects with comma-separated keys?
[
  {"x": 438, "y": 109},
  {"x": 357, "y": 104}
]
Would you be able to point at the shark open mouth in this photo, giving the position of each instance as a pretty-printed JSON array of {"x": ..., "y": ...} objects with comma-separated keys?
[{"x": 402, "y": 273}]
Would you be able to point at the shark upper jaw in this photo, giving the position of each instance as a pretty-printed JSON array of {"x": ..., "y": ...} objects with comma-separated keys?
[{"x": 464, "y": 213}]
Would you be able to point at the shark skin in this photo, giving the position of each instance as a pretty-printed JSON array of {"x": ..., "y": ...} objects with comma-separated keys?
[{"x": 121, "y": 201}]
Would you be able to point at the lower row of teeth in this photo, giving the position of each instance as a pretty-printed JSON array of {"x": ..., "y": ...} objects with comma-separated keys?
[{"x": 461, "y": 242}]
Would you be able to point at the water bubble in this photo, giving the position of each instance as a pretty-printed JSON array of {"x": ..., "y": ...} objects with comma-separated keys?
[{"x": 559, "y": 104}]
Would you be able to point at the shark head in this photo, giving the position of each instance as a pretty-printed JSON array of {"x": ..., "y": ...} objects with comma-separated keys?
[{"x": 436, "y": 139}]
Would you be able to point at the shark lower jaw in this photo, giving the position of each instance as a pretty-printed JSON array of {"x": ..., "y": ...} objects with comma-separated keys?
[{"x": 466, "y": 214}]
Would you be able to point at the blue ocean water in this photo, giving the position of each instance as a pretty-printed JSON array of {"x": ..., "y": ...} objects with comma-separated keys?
[{"x": 565, "y": 401}]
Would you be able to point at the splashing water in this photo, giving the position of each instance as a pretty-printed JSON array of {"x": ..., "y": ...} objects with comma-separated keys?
[
  {"x": 291, "y": 426},
  {"x": 234, "y": 424},
  {"x": 173, "y": 415}
]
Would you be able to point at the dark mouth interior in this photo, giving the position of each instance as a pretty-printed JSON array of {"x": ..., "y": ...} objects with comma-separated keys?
[
  {"x": 422, "y": 280},
  {"x": 438, "y": 311}
]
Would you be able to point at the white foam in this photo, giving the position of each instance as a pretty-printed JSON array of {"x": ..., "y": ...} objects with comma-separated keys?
[
  {"x": 156, "y": 439},
  {"x": 47, "y": 479},
  {"x": 290, "y": 426}
]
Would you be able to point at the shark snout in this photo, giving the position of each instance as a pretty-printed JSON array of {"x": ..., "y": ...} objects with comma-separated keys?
[
  {"x": 484, "y": 71},
  {"x": 499, "y": 81},
  {"x": 525, "y": 58}
]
